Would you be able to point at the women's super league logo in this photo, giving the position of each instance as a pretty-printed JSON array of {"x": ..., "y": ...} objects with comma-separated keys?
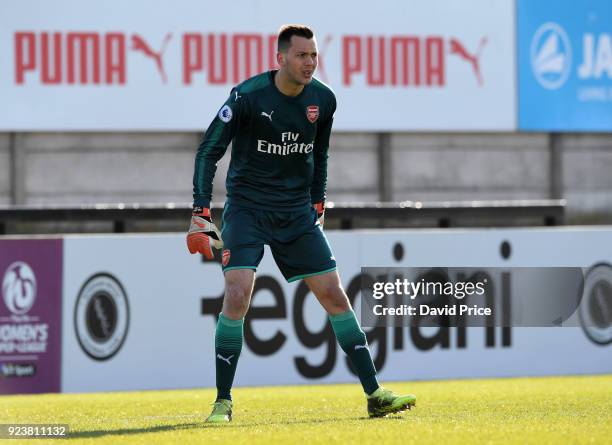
[{"x": 19, "y": 288}]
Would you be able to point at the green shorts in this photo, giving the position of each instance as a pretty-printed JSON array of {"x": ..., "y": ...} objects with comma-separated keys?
[{"x": 297, "y": 241}]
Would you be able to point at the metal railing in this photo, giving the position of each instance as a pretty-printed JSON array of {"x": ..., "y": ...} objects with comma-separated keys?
[{"x": 121, "y": 218}]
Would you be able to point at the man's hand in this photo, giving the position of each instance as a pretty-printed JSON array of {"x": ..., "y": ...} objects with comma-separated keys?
[
  {"x": 203, "y": 234},
  {"x": 320, "y": 208}
]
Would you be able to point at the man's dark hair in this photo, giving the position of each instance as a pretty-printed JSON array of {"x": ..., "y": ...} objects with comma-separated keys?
[{"x": 288, "y": 31}]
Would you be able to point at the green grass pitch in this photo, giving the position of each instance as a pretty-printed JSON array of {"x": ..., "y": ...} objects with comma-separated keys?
[{"x": 555, "y": 410}]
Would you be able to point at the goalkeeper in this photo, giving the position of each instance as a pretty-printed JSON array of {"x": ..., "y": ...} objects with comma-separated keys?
[{"x": 279, "y": 123}]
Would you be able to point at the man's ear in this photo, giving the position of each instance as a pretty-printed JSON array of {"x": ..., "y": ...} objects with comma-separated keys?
[{"x": 280, "y": 58}]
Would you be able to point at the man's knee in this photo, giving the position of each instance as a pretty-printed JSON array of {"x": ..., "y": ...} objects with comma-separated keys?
[
  {"x": 334, "y": 297},
  {"x": 236, "y": 301},
  {"x": 238, "y": 288}
]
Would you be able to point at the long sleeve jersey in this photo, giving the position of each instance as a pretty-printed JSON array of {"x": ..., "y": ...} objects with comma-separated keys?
[{"x": 279, "y": 146}]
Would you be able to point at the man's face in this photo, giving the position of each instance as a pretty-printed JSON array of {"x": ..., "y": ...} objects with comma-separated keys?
[{"x": 300, "y": 60}]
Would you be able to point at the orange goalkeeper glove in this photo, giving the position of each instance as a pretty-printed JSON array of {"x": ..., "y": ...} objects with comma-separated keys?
[
  {"x": 320, "y": 208},
  {"x": 203, "y": 234}
]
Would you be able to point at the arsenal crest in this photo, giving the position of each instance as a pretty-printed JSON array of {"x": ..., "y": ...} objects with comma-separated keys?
[
  {"x": 312, "y": 113},
  {"x": 226, "y": 257}
]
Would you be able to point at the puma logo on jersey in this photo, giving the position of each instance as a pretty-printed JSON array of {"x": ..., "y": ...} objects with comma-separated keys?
[
  {"x": 269, "y": 116},
  {"x": 220, "y": 357},
  {"x": 237, "y": 96}
]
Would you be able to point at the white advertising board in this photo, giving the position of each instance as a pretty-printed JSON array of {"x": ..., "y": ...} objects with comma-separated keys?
[
  {"x": 138, "y": 313},
  {"x": 157, "y": 66}
]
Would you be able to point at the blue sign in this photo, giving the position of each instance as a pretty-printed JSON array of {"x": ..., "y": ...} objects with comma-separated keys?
[{"x": 565, "y": 65}]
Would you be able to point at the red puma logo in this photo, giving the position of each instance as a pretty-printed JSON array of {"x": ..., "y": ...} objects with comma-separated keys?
[
  {"x": 139, "y": 44},
  {"x": 457, "y": 48}
]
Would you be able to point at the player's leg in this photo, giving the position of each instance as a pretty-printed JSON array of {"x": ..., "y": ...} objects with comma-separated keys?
[
  {"x": 328, "y": 290},
  {"x": 242, "y": 254},
  {"x": 229, "y": 333},
  {"x": 302, "y": 251},
  {"x": 229, "y": 337}
]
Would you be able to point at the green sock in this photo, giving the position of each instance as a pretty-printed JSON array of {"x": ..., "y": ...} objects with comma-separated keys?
[
  {"x": 228, "y": 344},
  {"x": 354, "y": 343}
]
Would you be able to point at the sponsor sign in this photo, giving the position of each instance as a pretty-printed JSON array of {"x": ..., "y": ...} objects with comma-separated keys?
[
  {"x": 565, "y": 65},
  {"x": 77, "y": 66},
  {"x": 30, "y": 315},
  {"x": 172, "y": 300}
]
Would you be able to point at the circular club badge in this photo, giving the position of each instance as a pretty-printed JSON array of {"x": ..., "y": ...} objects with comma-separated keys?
[
  {"x": 101, "y": 316},
  {"x": 551, "y": 56},
  {"x": 596, "y": 306}
]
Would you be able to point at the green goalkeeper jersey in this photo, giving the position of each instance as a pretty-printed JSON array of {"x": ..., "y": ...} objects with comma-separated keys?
[{"x": 279, "y": 146}]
